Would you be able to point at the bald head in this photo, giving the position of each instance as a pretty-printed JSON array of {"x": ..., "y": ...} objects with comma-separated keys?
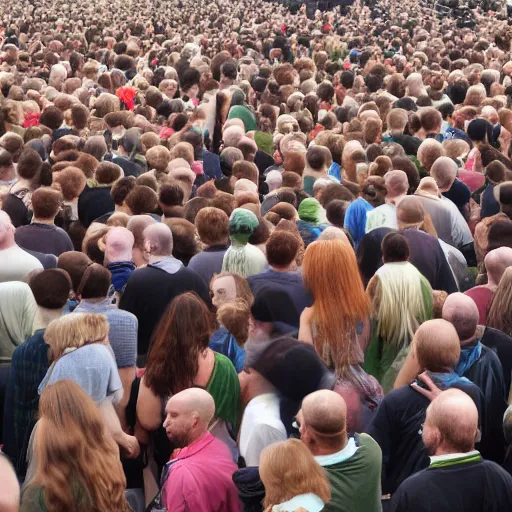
[
  {"x": 9, "y": 487},
  {"x": 444, "y": 172},
  {"x": 6, "y": 231},
  {"x": 451, "y": 424},
  {"x": 195, "y": 400},
  {"x": 119, "y": 244},
  {"x": 158, "y": 240},
  {"x": 461, "y": 311},
  {"x": 496, "y": 262},
  {"x": 437, "y": 346},
  {"x": 333, "y": 233},
  {"x": 397, "y": 184},
  {"x": 325, "y": 411}
]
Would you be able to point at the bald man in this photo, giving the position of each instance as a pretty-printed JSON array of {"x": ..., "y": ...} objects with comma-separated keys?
[
  {"x": 200, "y": 476},
  {"x": 496, "y": 262},
  {"x": 352, "y": 463},
  {"x": 150, "y": 289},
  {"x": 481, "y": 366},
  {"x": 119, "y": 243},
  {"x": 9, "y": 487},
  {"x": 457, "y": 479},
  {"x": 398, "y": 422}
]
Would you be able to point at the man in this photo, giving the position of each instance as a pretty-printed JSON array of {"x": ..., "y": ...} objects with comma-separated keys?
[
  {"x": 42, "y": 235},
  {"x": 137, "y": 224},
  {"x": 457, "y": 479},
  {"x": 398, "y": 422},
  {"x": 353, "y": 464},
  {"x": 119, "y": 243},
  {"x": 261, "y": 423},
  {"x": 199, "y": 478},
  {"x": 151, "y": 289},
  {"x": 496, "y": 262},
  {"x": 481, "y": 366},
  {"x": 212, "y": 226},
  {"x": 384, "y": 215},
  {"x": 282, "y": 248},
  {"x": 15, "y": 263}
]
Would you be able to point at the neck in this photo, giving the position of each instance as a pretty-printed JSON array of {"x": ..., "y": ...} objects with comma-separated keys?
[
  {"x": 45, "y": 316},
  {"x": 37, "y": 220},
  {"x": 448, "y": 450},
  {"x": 23, "y": 183},
  {"x": 153, "y": 258},
  {"x": 256, "y": 388},
  {"x": 94, "y": 301},
  {"x": 289, "y": 268},
  {"x": 394, "y": 200},
  {"x": 329, "y": 450},
  {"x": 463, "y": 343}
]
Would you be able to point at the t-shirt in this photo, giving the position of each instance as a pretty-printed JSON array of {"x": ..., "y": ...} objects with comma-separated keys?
[
  {"x": 45, "y": 238},
  {"x": 15, "y": 264},
  {"x": 208, "y": 262},
  {"x": 384, "y": 216},
  {"x": 459, "y": 193},
  {"x": 92, "y": 367},
  {"x": 354, "y": 474},
  {"x": 261, "y": 426},
  {"x": 482, "y": 296}
]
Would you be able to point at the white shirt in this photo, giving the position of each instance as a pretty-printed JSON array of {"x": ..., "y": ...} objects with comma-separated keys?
[
  {"x": 15, "y": 264},
  {"x": 261, "y": 426},
  {"x": 384, "y": 216}
]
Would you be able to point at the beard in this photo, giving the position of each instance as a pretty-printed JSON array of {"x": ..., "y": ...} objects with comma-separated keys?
[{"x": 178, "y": 439}]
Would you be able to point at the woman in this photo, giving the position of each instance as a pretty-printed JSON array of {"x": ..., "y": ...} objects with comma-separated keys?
[
  {"x": 292, "y": 478},
  {"x": 179, "y": 358},
  {"x": 76, "y": 461},
  {"x": 401, "y": 301},
  {"x": 499, "y": 315}
]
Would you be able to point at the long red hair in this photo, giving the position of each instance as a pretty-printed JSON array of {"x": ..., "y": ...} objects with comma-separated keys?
[
  {"x": 332, "y": 276},
  {"x": 77, "y": 461}
]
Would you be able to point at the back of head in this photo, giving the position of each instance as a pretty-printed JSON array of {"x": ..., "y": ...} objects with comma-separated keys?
[
  {"x": 6, "y": 231},
  {"x": 395, "y": 248},
  {"x": 282, "y": 248},
  {"x": 46, "y": 203},
  {"x": 119, "y": 243},
  {"x": 158, "y": 240},
  {"x": 318, "y": 157},
  {"x": 496, "y": 262},
  {"x": 95, "y": 282},
  {"x": 444, "y": 171},
  {"x": 74, "y": 263},
  {"x": 462, "y": 312},
  {"x": 51, "y": 288},
  {"x": 428, "y": 152},
  {"x": 142, "y": 200},
  {"x": 437, "y": 346},
  {"x": 212, "y": 226},
  {"x": 137, "y": 224},
  {"x": 397, "y": 184}
]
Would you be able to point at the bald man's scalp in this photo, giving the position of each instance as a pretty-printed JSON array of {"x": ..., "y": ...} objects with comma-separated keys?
[
  {"x": 462, "y": 312},
  {"x": 159, "y": 237},
  {"x": 496, "y": 262},
  {"x": 196, "y": 400},
  {"x": 325, "y": 411}
]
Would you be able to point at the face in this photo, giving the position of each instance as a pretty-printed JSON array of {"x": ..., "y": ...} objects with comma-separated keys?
[
  {"x": 224, "y": 290},
  {"x": 178, "y": 423}
]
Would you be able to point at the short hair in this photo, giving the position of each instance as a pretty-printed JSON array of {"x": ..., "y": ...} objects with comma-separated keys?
[
  {"x": 118, "y": 219},
  {"x": 29, "y": 164},
  {"x": 137, "y": 224},
  {"x": 142, "y": 200},
  {"x": 171, "y": 194},
  {"x": 212, "y": 226},
  {"x": 159, "y": 237},
  {"x": 46, "y": 203},
  {"x": 158, "y": 157},
  {"x": 372, "y": 128},
  {"x": 74, "y": 263},
  {"x": 193, "y": 206},
  {"x": 107, "y": 173},
  {"x": 95, "y": 282},
  {"x": 52, "y": 117},
  {"x": 51, "y": 288},
  {"x": 395, "y": 248},
  {"x": 72, "y": 182},
  {"x": 80, "y": 116},
  {"x": 282, "y": 248},
  {"x": 91, "y": 247},
  {"x": 335, "y": 191},
  {"x": 261, "y": 234},
  {"x": 245, "y": 170},
  {"x": 335, "y": 212},
  {"x": 291, "y": 179},
  {"x": 121, "y": 189},
  {"x": 317, "y": 157},
  {"x": 235, "y": 316},
  {"x": 184, "y": 244},
  {"x": 224, "y": 201}
]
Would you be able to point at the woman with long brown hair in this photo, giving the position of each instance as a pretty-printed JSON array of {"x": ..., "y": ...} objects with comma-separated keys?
[
  {"x": 499, "y": 315},
  {"x": 179, "y": 358},
  {"x": 76, "y": 461}
]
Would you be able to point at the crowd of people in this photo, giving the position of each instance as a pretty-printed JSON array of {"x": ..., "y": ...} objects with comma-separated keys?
[{"x": 254, "y": 258}]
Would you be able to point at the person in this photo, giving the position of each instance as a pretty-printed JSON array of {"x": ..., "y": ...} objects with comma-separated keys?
[
  {"x": 384, "y": 215},
  {"x": 292, "y": 478},
  {"x": 149, "y": 290},
  {"x": 458, "y": 478},
  {"x": 30, "y": 362},
  {"x": 200, "y": 476},
  {"x": 212, "y": 226},
  {"x": 9, "y": 487},
  {"x": 401, "y": 301},
  {"x": 42, "y": 234},
  {"x": 119, "y": 242},
  {"x": 310, "y": 223},
  {"x": 76, "y": 463},
  {"x": 496, "y": 262},
  {"x": 352, "y": 463},
  {"x": 137, "y": 224},
  {"x": 179, "y": 359},
  {"x": 15, "y": 263},
  {"x": 401, "y": 413},
  {"x": 498, "y": 314},
  {"x": 282, "y": 248}
]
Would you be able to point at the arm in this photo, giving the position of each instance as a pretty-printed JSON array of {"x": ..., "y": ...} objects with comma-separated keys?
[
  {"x": 127, "y": 377},
  {"x": 149, "y": 408},
  {"x": 305, "y": 330},
  {"x": 409, "y": 371}
]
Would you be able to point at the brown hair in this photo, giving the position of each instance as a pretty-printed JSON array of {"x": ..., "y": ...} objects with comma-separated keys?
[
  {"x": 500, "y": 315},
  {"x": 212, "y": 226},
  {"x": 142, "y": 200},
  {"x": 247, "y": 170},
  {"x": 72, "y": 181},
  {"x": 46, "y": 203},
  {"x": 235, "y": 316},
  {"x": 224, "y": 201},
  {"x": 181, "y": 335},
  {"x": 282, "y": 248}
]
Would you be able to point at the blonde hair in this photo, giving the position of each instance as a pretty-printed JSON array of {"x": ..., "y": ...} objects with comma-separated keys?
[
  {"x": 288, "y": 469},
  {"x": 398, "y": 305},
  {"x": 75, "y": 331},
  {"x": 331, "y": 274}
]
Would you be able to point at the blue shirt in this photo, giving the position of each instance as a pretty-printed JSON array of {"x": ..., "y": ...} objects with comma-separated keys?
[
  {"x": 355, "y": 218},
  {"x": 223, "y": 342}
]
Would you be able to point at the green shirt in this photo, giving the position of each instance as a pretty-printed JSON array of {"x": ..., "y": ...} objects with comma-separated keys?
[{"x": 355, "y": 482}]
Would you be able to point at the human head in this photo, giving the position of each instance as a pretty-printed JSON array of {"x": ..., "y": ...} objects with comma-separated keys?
[
  {"x": 498, "y": 316},
  {"x": 158, "y": 240},
  {"x": 29, "y": 164},
  {"x": 51, "y": 288},
  {"x": 184, "y": 244},
  {"x": 245, "y": 170},
  {"x": 451, "y": 423},
  {"x": 323, "y": 422},
  {"x": 142, "y": 200},
  {"x": 444, "y": 171},
  {"x": 46, "y": 203},
  {"x": 282, "y": 248},
  {"x": 119, "y": 243},
  {"x": 318, "y": 158},
  {"x": 7, "y": 231},
  {"x": 212, "y": 226},
  {"x": 428, "y": 152},
  {"x": 71, "y": 181},
  {"x": 287, "y": 469},
  {"x": 496, "y": 262},
  {"x": 121, "y": 189},
  {"x": 461, "y": 311},
  {"x": 137, "y": 224},
  {"x": 227, "y": 287},
  {"x": 397, "y": 185},
  {"x": 437, "y": 346},
  {"x": 395, "y": 248}
]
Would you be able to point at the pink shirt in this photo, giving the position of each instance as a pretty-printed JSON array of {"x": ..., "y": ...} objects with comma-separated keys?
[
  {"x": 200, "y": 479},
  {"x": 482, "y": 296}
]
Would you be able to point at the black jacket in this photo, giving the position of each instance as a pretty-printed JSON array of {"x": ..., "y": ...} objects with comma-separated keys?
[{"x": 93, "y": 203}]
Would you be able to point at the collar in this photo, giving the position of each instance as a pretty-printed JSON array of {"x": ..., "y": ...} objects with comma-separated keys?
[
  {"x": 452, "y": 459},
  {"x": 194, "y": 448},
  {"x": 341, "y": 456},
  {"x": 102, "y": 304},
  {"x": 216, "y": 248},
  {"x": 311, "y": 502}
]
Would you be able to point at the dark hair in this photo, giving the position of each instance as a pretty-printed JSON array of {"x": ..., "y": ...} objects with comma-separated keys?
[
  {"x": 181, "y": 335},
  {"x": 97, "y": 280},
  {"x": 29, "y": 164},
  {"x": 184, "y": 244},
  {"x": 395, "y": 248},
  {"x": 316, "y": 157},
  {"x": 335, "y": 191},
  {"x": 335, "y": 212},
  {"x": 51, "y": 288},
  {"x": 142, "y": 199},
  {"x": 46, "y": 203},
  {"x": 261, "y": 234},
  {"x": 121, "y": 189},
  {"x": 282, "y": 248},
  {"x": 171, "y": 194},
  {"x": 74, "y": 263},
  {"x": 52, "y": 117},
  {"x": 107, "y": 172}
]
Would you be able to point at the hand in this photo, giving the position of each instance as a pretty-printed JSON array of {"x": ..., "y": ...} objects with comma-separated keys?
[
  {"x": 130, "y": 447},
  {"x": 432, "y": 392}
]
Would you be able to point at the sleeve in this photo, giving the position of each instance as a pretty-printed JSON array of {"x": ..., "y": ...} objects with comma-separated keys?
[
  {"x": 263, "y": 436},
  {"x": 399, "y": 501},
  {"x": 114, "y": 381},
  {"x": 128, "y": 357},
  {"x": 445, "y": 280}
]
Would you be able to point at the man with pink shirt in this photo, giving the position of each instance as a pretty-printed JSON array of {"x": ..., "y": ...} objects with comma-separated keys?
[{"x": 199, "y": 477}]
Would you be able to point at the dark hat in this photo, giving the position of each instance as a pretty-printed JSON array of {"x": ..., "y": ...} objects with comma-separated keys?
[
  {"x": 479, "y": 129},
  {"x": 406, "y": 103},
  {"x": 293, "y": 368},
  {"x": 271, "y": 305}
]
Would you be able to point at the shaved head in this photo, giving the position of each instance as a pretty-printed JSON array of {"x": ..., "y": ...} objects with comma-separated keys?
[
  {"x": 444, "y": 171},
  {"x": 496, "y": 262},
  {"x": 158, "y": 240},
  {"x": 462, "y": 312},
  {"x": 437, "y": 345},
  {"x": 451, "y": 424},
  {"x": 195, "y": 400},
  {"x": 119, "y": 244},
  {"x": 9, "y": 487},
  {"x": 333, "y": 233}
]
